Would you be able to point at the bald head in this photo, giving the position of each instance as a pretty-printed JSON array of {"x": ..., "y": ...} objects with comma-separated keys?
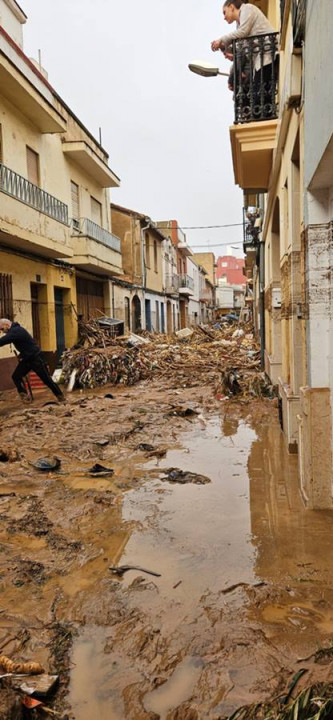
[{"x": 5, "y": 325}]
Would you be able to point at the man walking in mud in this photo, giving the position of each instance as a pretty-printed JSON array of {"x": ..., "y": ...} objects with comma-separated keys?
[{"x": 30, "y": 358}]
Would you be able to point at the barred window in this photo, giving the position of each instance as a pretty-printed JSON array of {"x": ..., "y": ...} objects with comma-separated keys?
[{"x": 6, "y": 296}]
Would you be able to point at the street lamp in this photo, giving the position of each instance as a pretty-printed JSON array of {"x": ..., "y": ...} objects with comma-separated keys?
[{"x": 206, "y": 69}]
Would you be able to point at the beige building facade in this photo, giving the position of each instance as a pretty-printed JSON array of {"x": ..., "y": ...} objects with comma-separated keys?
[{"x": 57, "y": 250}]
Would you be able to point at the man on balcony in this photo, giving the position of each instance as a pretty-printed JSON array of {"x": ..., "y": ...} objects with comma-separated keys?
[
  {"x": 30, "y": 358},
  {"x": 251, "y": 22}
]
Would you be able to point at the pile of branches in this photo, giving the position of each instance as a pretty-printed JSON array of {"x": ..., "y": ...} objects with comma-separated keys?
[{"x": 227, "y": 358}]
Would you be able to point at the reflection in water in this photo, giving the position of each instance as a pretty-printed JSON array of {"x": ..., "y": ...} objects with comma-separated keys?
[
  {"x": 248, "y": 524},
  {"x": 176, "y": 690},
  {"x": 292, "y": 542}
]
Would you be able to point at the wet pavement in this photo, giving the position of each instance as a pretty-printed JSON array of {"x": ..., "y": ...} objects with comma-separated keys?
[{"x": 246, "y": 583}]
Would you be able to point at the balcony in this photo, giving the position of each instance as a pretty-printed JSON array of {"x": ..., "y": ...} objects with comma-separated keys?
[
  {"x": 186, "y": 285},
  {"x": 24, "y": 87},
  {"x": 206, "y": 295},
  {"x": 42, "y": 225},
  {"x": 171, "y": 284},
  {"x": 253, "y": 135},
  {"x": 96, "y": 249},
  {"x": 299, "y": 20},
  {"x": 88, "y": 160},
  {"x": 252, "y": 222}
]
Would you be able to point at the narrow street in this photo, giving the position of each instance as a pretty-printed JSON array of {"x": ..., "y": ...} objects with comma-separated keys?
[{"x": 243, "y": 599}]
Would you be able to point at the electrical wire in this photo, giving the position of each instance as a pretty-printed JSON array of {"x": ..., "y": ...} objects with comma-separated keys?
[{"x": 196, "y": 227}]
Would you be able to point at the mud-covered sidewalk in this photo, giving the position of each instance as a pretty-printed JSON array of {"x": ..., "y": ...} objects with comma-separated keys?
[{"x": 242, "y": 595}]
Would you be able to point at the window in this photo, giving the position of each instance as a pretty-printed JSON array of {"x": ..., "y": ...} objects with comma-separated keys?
[
  {"x": 147, "y": 250},
  {"x": 155, "y": 256},
  {"x": 6, "y": 297},
  {"x": 96, "y": 212},
  {"x": 32, "y": 166},
  {"x": 75, "y": 202},
  {"x": 1, "y": 153},
  {"x": 224, "y": 264}
]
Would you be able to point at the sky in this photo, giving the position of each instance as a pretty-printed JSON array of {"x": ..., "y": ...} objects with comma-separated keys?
[{"x": 122, "y": 66}]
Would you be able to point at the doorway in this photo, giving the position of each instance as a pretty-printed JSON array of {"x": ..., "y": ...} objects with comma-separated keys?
[
  {"x": 59, "y": 320},
  {"x": 136, "y": 314},
  {"x": 148, "y": 315}
]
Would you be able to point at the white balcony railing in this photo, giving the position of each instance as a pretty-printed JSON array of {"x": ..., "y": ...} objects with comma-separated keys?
[
  {"x": 171, "y": 283},
  {"x": 26, "y": 192},
  {"x": 87, "y": 228},
  {"x": 185, "y": 281}
]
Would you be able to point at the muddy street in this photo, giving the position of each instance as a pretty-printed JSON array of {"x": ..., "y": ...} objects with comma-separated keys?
[{"x": 241, "y": 593}]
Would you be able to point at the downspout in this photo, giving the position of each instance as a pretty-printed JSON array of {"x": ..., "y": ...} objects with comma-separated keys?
[
  {"x": 143, "y": 264},
  {"x": 262, "y": 302}
]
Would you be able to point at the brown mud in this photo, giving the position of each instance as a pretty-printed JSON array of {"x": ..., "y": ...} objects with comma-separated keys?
[{"x": 245, "y": 594}]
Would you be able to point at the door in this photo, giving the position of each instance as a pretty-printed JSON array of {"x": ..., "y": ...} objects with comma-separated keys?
[
  {"x": 59, "y": 320},
  {"x": 169, "y": 318},
  {"x": 35, "y": 313},
  {"x": 148, "y": 315},
  {"x": 162, "y": 318}
]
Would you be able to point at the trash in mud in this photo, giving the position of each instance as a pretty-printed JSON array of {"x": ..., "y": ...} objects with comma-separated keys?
[
  {"x": 98, "y": 469},
  {"x": 25, "y": 668},
  {"x": 102, "y": 442},
  {"x": 145, "y": 447},
  {"x": 9, "y": 455},
  {"x": 46, "y": 464},
  {"x": 121, "y": 569},
  {"x": 182, "y": 412},
  {"x": 41, "y": 686},
  {"x": 30, "y": 702},
  {"x": 109, "y": 396},
  {"x": 174, "y": 475},
  {"x": 229, "y": 382}
]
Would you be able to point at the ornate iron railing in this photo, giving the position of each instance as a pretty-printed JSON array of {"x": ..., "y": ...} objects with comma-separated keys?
[
  {"x": 254, "y": 78},
  {"x": 299, "y": 19},
  {"x": 26, "y": 192},
  {"x": 185, "y": 281},
  {"x": 86, "y": 227},
  {"x": 251, "y": 227}
]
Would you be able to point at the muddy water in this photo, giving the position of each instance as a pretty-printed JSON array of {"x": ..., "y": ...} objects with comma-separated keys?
[{"x": 245, "y": 587}]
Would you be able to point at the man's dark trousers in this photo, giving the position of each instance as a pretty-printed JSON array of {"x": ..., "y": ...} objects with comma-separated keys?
[{"x": 38, "y": 365}]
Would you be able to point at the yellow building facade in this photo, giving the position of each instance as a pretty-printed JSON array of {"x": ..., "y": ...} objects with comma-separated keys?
[{"x": 57, "y": 250}]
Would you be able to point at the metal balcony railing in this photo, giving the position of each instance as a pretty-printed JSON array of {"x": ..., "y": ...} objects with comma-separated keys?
[
  {"x": 299, "y": 19},
  {"x": 87, "y": 228},
  {"x": 251, "y": 226},
  {"x": 171, "y": 283},
  {"x": 185, "y": 281},
  {"x": 254, "y": 78},
  {"x": 26, "y": 192}
]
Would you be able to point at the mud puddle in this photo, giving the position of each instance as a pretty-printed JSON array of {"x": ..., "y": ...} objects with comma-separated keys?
[{"x": 245, "y": 588}]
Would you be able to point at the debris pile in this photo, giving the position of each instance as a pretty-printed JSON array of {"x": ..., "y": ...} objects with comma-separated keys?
[{"x": 223, "y": 356}]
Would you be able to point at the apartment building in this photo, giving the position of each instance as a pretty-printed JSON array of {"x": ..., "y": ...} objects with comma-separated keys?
[
  {"x": 185, "y": 281},
  {"x": 282, "y": 160},
  {"x": 57, "y": 249},
  {"x": 142, "y": 245}
]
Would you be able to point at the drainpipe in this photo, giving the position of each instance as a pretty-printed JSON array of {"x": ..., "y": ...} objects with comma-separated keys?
[
  {"x": 143, "y": 264},
  {"x": 262, "y": 302}
]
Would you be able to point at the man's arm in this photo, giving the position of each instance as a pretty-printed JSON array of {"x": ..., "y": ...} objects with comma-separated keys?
[{"x": 7, "y": 338}]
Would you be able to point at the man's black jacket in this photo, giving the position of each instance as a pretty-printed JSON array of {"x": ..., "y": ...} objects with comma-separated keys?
[{"x": 22, "y": 340}]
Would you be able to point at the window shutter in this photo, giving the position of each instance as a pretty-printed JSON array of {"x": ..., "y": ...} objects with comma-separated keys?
[
  {"x": 32, "y": 166},
  {"x": 96, "y": 212},
  {"x": 75, "y": 200}
]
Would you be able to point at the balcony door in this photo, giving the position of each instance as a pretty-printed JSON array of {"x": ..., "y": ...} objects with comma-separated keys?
[
  {"x": 96, "y": 211},
  {"x": 32, "y": 166},
  {"x": 75, "y": 203}
]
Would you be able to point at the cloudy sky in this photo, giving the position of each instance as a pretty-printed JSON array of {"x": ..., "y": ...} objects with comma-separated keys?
[{"x": 122, "y": 65}]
